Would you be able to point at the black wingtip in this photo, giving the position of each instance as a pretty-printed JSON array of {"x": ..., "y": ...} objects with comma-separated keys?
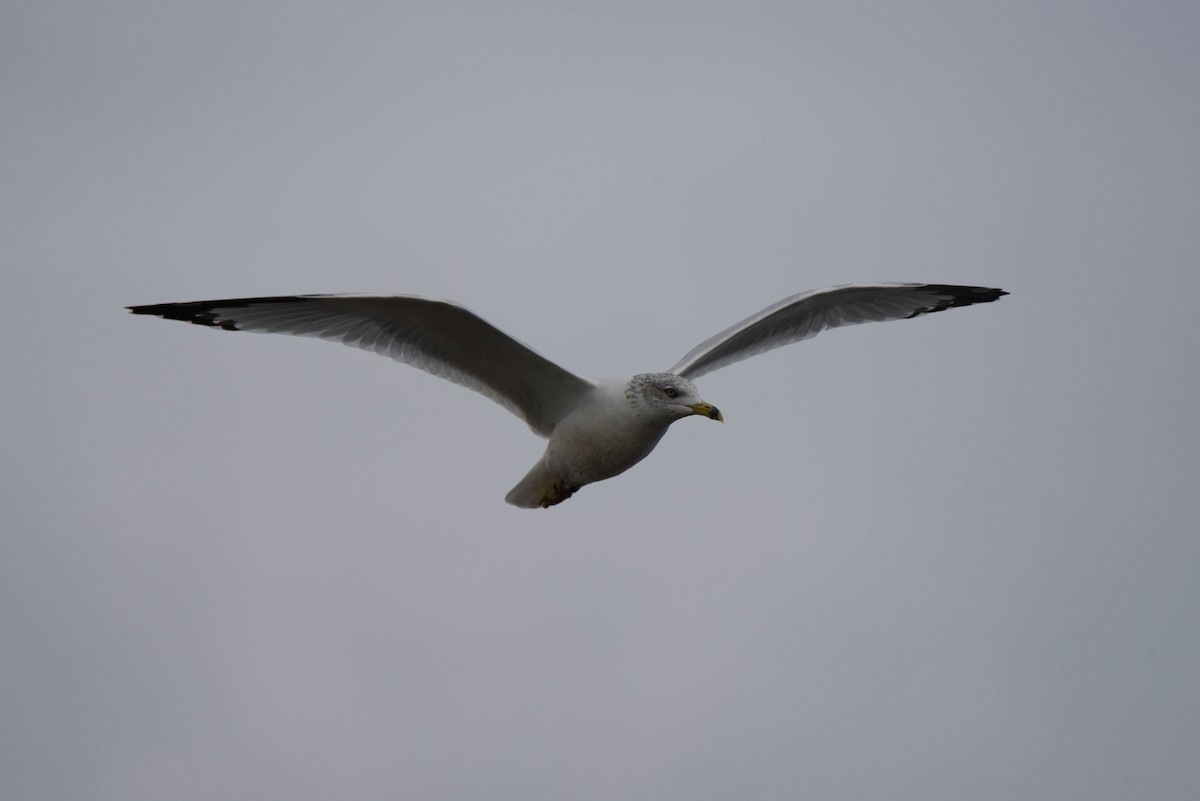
[
  {"x": 210, "y": 312},
  {"x": 948, "y": 296},
  {"x": 200, "y": 313}
]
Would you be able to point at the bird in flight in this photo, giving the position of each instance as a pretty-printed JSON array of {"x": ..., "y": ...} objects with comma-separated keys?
[{"x": 595, "y": 429}]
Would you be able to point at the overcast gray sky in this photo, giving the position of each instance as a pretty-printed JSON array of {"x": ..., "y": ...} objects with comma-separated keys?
[{"x": 948, "y": 558}]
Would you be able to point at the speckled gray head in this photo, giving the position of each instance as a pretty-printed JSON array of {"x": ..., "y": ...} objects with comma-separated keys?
[{"x": 671, "y": 393}]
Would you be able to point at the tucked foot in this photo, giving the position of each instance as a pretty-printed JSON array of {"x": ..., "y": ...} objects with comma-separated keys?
[{"x": 558, "y": 493}]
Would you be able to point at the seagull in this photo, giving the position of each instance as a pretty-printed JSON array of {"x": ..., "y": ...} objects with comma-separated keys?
[{"x": 595, "y": 429}]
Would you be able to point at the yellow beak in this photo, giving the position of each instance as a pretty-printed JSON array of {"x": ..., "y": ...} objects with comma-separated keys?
[{"x": 709, "y": 411}]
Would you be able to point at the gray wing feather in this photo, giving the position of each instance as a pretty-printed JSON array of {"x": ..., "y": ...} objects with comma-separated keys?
[
  {"x": 805, "y": 315},
  {"x": 436, "y": 336}
]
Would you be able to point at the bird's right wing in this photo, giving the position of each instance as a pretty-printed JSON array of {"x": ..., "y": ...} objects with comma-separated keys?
[
  {"x": 809, "y": 313},
  {"x": 436, "y": 336}
]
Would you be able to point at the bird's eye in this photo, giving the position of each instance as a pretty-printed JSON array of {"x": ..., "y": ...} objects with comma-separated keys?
[{"x": 670, "y": 392}]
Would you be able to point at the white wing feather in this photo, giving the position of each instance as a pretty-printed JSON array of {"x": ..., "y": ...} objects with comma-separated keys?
[
  {"x": 809, "y": 313},
  {"x": 436, "y": 336}
]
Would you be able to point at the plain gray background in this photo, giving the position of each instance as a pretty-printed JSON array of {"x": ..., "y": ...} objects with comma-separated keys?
[{"x": 951, "y": 558}]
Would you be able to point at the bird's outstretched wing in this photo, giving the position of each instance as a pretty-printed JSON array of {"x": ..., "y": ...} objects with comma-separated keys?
[
  {"x": 436, "y": 336},
  {"x": 809, "y": 313}
]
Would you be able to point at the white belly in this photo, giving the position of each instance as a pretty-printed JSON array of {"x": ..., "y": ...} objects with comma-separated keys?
[{"x": 599, "y": 442}]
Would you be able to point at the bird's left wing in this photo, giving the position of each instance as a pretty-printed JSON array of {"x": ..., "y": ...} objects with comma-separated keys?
[
  {"x": 809, "y": 313},
  {"x": 439, "y": 337}
]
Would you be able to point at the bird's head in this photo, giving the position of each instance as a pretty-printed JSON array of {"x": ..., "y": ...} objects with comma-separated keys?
[{"x": 669, "y": 395}]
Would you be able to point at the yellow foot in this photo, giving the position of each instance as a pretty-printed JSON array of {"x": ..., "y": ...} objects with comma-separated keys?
[{"x": 558, "y": 493}]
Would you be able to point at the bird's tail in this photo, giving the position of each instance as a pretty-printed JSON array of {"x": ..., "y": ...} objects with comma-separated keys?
[{"x": 540, "y": 487}]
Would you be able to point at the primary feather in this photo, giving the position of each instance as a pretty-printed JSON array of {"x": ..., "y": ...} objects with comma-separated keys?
[
  {"x": 805, "y": 315},
  {"x": 436, "y": 336}
]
